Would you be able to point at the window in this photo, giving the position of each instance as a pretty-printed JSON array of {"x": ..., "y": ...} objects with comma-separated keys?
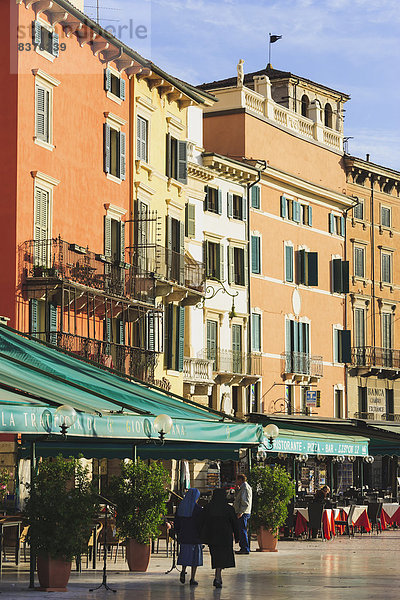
[
  {"x": 174, "y": 338},
  {"x": 176, "y": 159},
  {"x": 359, "y": 261},
  {"x": 175, "y": 250},
  {"x": 41, "y": 227},
  {"x": 114, "y": 152},
  {"x": 336, "y": 224},
  {"x": 212, "y": 329},
  {"x": 237, "y": 358},
  {"x": 307, "y": 264},
  {"x": 340, "y": 273},
  {"x": 328, "y": 115},
  {"x": 213, "y": 200},
  {"x": 341, "y": 345},
  {"x": 190, "y": 220},
  {"x": 255, "y": 196},
  {"x": 359, "y": 327},
  {"x": 358, "y": 210},
  {"x": 42, "y": 120},
  {"x": 237, "y": 207},
  {"x": 255, "y": 332},
  {"x": 142, "y": 139},
  {"x": 237, "y": 261},
  {"x": 213, "y": 260},
  {"x": 114, "y": 240},
  {"x": 289, "y": 263},
  {"x": 114, "y": 83},
  {"x": 297, "y": 347},
  {"x": 386, "y": 267},
  {"x": 154, "y": 335},
  {"x": 255, "y": 254},
  {"x": 294, "y": 211},
  {"x": 305, "y": 103},
  {"x": 338, "y": 409},
  {"x": 45, "y": 39},
  {"x": 386, "y": 216},
  {"x": 387, "y": 319}
]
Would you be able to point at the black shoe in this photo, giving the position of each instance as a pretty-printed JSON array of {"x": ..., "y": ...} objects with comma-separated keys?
[
  {"x": 182, "y": 577},
  {"x": 242, "y": 552},
  {"x": 193, "y": 582}
]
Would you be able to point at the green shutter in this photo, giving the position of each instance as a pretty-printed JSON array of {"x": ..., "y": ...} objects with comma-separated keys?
[
  {"x": 33, "y": 316},
  {"x": 169, "y": 338},
  {"x": 331, "y": 223},
  {"x": 42, "y": 113},
  {"x": 122, "y": 88},
  {"x": 255, "y": 196},
  {"x": 312, "y": 268},
  {"x": 344, "y": 345},
  {"x": 107, "y": 334},
  {"x": 55, "y": 44},
  {"x": 168, "y": 156},
  {"x": 244, "y": 208},
  {"x": 121, "y": 331},
  {"x": 52, "y": 316},
  {"x": 283, "y": 207},
  {"x": 122, "y": 155},
  {"x": 289, "y": 264},
  {"x": 342, "y": 226},
  {"x": 296, "y": 211},
  {"x": 301, "y": 258},
  {"x": 191, "y": 220},
  {"x": 219, "y": 192},
  {"x": 107, "y": 236},
  {"x": 221, "y": 262},
  {"x": 231, "y": 265},
  {"x": 256, "y": 332},
  {"x": 37, "y": 33},
  {"x": 345, "y": 276},
  {"x": 205, "y": 258},
  {"x": 245, "y": 278},
  {"x": 310, "y": 216},
  {"x": 181, "y": 337},
  {"x": 337, "y": 275},
  {"x": 230, "y": 205},
  {"x": 212, "y": 342},
  {"x": 255, "y": 254},
  {"x": 122, "y": 242},
  {"x": 107, "y": 147},
  {"x": 182, "y": 162},
  {"x": 181, "y": 253},
  {"x": 107, "y": 80},
  {"x": 168, "y": 245}
]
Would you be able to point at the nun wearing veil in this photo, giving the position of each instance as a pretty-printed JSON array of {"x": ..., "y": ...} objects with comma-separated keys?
[{"x": 186, "y": 525}]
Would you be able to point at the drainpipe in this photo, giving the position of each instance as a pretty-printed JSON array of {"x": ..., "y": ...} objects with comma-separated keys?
[
  {"x": 131, "y": 169},
  {"x": 249, "y": 186},
  {"x": 373, "y": 265}
]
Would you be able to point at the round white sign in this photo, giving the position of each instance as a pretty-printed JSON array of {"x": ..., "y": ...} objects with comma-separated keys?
[{"x": 296, "y": 302}]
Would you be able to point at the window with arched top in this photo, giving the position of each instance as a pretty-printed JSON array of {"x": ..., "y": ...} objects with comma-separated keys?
[
  {"x": 305, "y": 102},
  {"x": 328, "y": 115}
]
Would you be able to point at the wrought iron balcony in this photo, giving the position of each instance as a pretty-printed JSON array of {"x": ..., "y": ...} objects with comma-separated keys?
[
  {"x": 371, "y": 357},
  {"x": 57, "y": 259},
  {"x": 135, "y": 362},
  {"x": 301, "y": 363},
  {"x": 237, "y": 363}
]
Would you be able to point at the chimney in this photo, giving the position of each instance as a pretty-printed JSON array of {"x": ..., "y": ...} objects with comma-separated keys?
[
  {"x": 367, "y": 158},
  {"x": 78, "y": 4}
]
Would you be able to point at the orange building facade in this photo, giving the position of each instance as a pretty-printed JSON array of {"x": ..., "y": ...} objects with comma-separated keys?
[{"x": 299, "y": 276}]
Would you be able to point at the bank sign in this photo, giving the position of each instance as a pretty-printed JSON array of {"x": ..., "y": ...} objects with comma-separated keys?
[
  {"x": 376, "y": 398},
  {"x": 318, "y": 446}
]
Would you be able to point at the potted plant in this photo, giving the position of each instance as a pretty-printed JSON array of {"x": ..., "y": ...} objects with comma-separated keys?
[
  {"x": 5, "y": 477},
  {"x": 140, "y": 493},
  {"x": 60, "y": 510},
  {"x": 273, "y": 489}
]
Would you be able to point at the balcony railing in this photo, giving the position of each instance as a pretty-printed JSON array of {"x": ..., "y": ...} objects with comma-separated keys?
[
  {"x": 371, "y": 356},
  {"x": 197, "y": 370},
  {"x": 371, "y": 416},
  {"x": 302, "y": 363},
  {"x": 135, "y": 362},
  {"x": 238, "y": 363},
  {"x": 58, "y": 259}
]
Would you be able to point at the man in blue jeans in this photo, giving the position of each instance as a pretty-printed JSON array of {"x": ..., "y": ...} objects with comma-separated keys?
[{"x": 242, "y": 506}]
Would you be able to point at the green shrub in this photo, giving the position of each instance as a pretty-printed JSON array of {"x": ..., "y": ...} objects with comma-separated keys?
[
  {"x": 273, "y": 489},
  {"x": 140, "y": 493},
  {"x": 60, "y": 508}
]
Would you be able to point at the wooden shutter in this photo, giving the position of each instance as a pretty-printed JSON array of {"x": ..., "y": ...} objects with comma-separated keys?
[
  {"x": 245, "y": 278},
  {"x": 344, "y": 345},
  {"x": 107, "y": 334},
  {"x": 205, "y": 258},
  {"x": 169, "y": 338},
  {"x": 296, "y": 211},
  {"x": 122, "y": 88},
  {"x": 121, "y": 331},
  {"x": 289, "y": 275},
  {"x": 42, "y": 113},
  {"x": 386, "y": 268},
  {"x": 168, "y": 244},
  {"x": 206, "y": 197},
  {"x": 221, "y": 262},
  {"x": 255, "y": 196},
  {"x": 190, "y": 217},
  {"x": 107, "y": 236},
  {"x": 121, "y": 241},
  {"x": 244, "y": 208},
  {"x": 231, "y": 265},
  {"x": 337, "y": 275},
  {"x": 386, "y": 330},
  {"x": 181, "y": 337},
  {"x": 312, "y": 268},
  {"x": 168, "y": 156},
  {"x": 37, "y": 33},
  {"x": 107, "y": 80},
  {"x": 141, "y": 138},
  {"x": 212, "y": 340},
  {"x": 255, "y": 254},
  {"x": 342, "y": 226},
  {"x": 55, "y": 44},
  {"x": 219, "y": 200},
  {"x": 122, "y": 155},
  {"x": 41, "y": 227},
  {"x": 359, "y": 262},
  {"x": 230, "y": 205},
  {"x": 150, "y": 331},
  {"x": 301, "y": 262},
  {"x": 310, "y": 216},
  {"x": 256, "y": 332},
  {"x": 52, "y": 317},
  {"x": 331, "y": 223},
  {"x": 345, "y": 277},
  {"x": 33, "y": 316},
  {"x": 359, "y": 327},
  {"x": 358, "y": 210},
  {"x": 107, "y": 147},
  {"x": 182, "y": 162},
  {"x": 181, "y": 253},
  {"x": 283, "y": 207}
]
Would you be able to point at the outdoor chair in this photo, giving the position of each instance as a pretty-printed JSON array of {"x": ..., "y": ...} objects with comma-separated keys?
[
  {"x": 315, "y": 510},
  {"x": 374, "y": 515},
  {"x": 164, "y": 535},
  {"x": 23, "y": 540},
  {"x": 348, "y": 523}
]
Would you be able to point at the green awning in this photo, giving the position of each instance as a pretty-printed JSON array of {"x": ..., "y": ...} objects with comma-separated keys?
[
  {"x": 295, "y": 441},
  {"x": 386, "y": 442}
]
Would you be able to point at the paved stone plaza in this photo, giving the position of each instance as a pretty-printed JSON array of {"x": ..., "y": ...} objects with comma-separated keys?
[{"x": 357, "y": 569}]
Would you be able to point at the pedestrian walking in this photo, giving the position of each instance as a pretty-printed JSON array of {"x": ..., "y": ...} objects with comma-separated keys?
[
  {"x": 220, "y": 526},
  {"x": 187, "y": 526},
  {"x": 242, "y": 506}
]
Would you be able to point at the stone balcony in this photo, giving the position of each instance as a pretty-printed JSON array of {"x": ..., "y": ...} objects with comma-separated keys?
[
  {"x": 261, "y": 104},
  {"x": 198, "y": 375}
]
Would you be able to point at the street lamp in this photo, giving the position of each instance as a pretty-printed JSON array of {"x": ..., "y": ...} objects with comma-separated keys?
[
  {"x": 271, "y": 433},
  {"x": 211, "y": 292},
  {"x": 163, "y": 424},
  {"x": 67, "y": 415}
]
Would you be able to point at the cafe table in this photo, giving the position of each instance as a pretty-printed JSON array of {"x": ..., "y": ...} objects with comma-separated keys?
[
  {"x": 302, "y": 518},
  {"x": 390, "y": 514},
  {"x": 360, "y": 516}
]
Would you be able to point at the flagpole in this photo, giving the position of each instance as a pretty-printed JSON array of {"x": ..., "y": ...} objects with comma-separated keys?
[{"x": 269, "y": 49}]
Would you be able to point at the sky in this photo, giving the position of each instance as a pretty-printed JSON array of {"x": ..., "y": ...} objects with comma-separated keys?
[{"x": 349, "y": 45}]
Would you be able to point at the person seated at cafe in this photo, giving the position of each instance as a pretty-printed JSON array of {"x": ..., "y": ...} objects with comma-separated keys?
[{"x": 322, "y": 494}]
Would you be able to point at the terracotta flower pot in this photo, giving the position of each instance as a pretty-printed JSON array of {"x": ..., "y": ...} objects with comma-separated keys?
[
  {"x": 137, "y": 555},
  {"x": 267, "y": 540},
  {"x": 53, "y": 573}
]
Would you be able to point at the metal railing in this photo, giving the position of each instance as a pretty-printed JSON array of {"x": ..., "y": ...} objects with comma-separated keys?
[
  {"x": 374, "y": 416},
  {"x": 129, "y": 360},
  {"x": 371, "y": 356},
  {"x": 197, "y": 369},
  {"x": 57, "y": 259},
  {"x": 230, "y": 361},
  {"x": 302, "y": 363}
]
